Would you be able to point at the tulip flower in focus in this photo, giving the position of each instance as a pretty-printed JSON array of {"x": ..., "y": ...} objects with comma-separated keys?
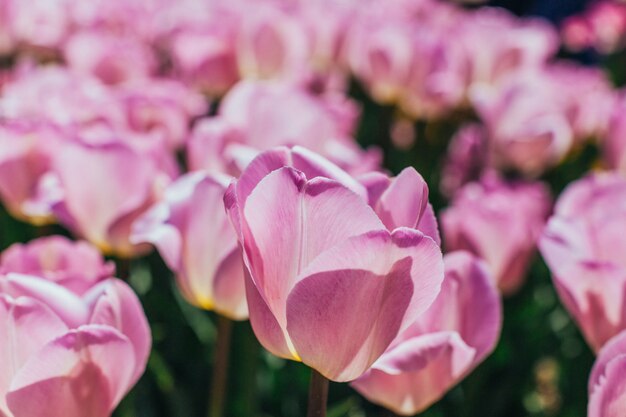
[
  {"x": 606, "y": 383},
  {"x": 76, "y": 266},
  {"x": 326, "y": 282},
  {"x": 65, "y": 355},
  {"x": 499, "y": 222},
  {"x": 583, "y": 244},
  {"x": 195, "y": 238},
  {"x": 443, "y": 345}
]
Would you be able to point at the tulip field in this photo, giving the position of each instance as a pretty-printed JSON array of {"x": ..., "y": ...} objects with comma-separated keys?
[{"x": 321, "y": 208}]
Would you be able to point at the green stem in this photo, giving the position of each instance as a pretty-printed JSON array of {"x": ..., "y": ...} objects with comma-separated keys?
[
  {"x": 220, "y": 367},
  {"x": 318, "y": 395}
]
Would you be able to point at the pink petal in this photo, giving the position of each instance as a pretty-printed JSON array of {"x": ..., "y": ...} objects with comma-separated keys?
[
  {"x": 352, "y": 301},
  {"x": 417, "y": 373},
  {"x": 99, "y": 188},
  {"x": 84, "y": 372},
  {"x": 67, "y": 305},
  {"x": 115, "y": 304},
  {"x": 26, "y": 326},
  {"x": 607, "y": 385},
  {"x": 290, "y": 221}
]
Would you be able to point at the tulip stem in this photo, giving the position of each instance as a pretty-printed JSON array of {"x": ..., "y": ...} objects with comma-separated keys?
[
  {"x": 220, "y": 367},
  {"x": 318, "y": 395}
]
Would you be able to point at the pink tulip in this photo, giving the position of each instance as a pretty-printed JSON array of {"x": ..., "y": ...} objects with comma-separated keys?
[
  {"x": 326, "y": 282},
  {"x": 60, "y": 96},
  {"x": 110, "y": 57},
  {"x": 195, "y": 238},
  {"x": 466, "y": 159},
  {"x": 106, "y": 187},
  {"x": 499, "y": 222},
  {"x": 606, "y": 383},
  {"x": 527, "y": 122},
  {"x": 497, "y": 46},
  {"x": 206, "y": 57},
  {"x": 443, "y": 345},
  {"x": 256, "y": 116},
  {"x": 160, "y": 107},
  {"x": 271, "y": 43},
  {"x": 26, "y": 153},
  {"x": 402, "y": 201},
  {"x": 77, "y": 266},
  {"x": 40, "y": 23},
  {"x": 583, "y": 246},
  {"x": 68, "y": 356}
]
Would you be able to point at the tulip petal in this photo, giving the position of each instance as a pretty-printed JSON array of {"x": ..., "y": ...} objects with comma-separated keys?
[
  {"x": 68, "y": 306},
  {"x": 417, "y": 373},
  {"x": 306, "y": 219},
  {"x": 84, "y": 372},
  {"x": 362, "y": 292},
  {"x": 93, "y": 209},
  {"x": 26, "y": 325},
  {"x": 404, "y": 201},
  {"x": 117, "y": 305}
]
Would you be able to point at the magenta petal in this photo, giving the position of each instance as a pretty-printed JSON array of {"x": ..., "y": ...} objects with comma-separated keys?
[
  {"x": 283, "y": 235},
  {"x": 68, "y": 306},
  {"x": 607, "y": 384},
  {"x": 352, "y": 301},
  {"x": 264, "y": 323},
  {"x": 417, "y": 373},
  {"x": 117, "y": 305},
  {"x": 26, "y": 326},
  {"x": 404, "y": 201},
  {"x": 86, "y": 372}
]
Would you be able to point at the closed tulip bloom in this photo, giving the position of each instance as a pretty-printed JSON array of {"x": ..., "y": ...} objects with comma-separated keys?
[
  {"x": 607, "y": 392},
  {"x": 326, "y": 282},
  {"x": 106, "y": 187},
  {"x": 195, "y": 238},
  {"x": 499, "y": 222},
  {"x": 443, "y": 345},
  {"x": 583, "y": 246},
  {"x": 68, "y": 356},
  {"x": 77, "y": 266}
]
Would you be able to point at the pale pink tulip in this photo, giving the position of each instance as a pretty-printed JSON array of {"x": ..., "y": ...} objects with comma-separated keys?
[
  {"x": 26, "y": 153},
  {"x": 206, "y": 57},
  {"x": 160, "y": 107},
  {"x": 68, "y": 356},
  {"x": 443, "y": 345},
  {"x": 110, "y": 57},
  {"x": 195, "y": 238},
  {"x": 77, "y": 266},
  {"x": 326, "y": 282},
  {"x": 583, "y": 246},
  {"x": 105, "y": 188},
  {"x": 271, "y": 43},
  {"x": 499, "y": 222},
  {"x": 527, "y": 122},
  {"x": 607, "y": 394},
  {"x": 256, "y": 116}
]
